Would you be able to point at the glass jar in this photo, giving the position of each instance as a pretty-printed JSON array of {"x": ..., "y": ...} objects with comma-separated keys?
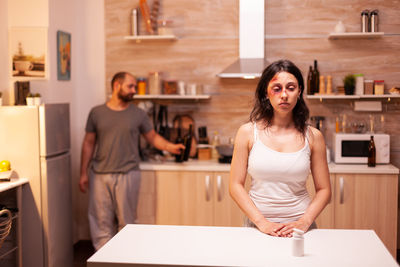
[
  {"x": 154, "y": 83},
  {"x": 141, "y": 85},
  {"x": 379, "y": 87}
]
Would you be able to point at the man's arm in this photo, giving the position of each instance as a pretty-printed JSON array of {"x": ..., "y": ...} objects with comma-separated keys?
[
  {"x": 88, "y": 147},
  {"x": 160, "y": 143}
]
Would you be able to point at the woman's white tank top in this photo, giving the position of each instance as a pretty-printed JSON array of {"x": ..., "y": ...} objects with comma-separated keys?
[{"x": 278, "y": 184}]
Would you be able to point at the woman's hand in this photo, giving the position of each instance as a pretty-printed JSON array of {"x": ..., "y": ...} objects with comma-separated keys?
[
  {"x": 271, "y": 228},
  {"x": 287, "y": 230}
]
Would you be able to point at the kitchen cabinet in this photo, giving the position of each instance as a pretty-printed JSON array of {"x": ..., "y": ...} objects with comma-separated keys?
[
  {"x": 11, "y": 196},
  {"x": 325, "y": 220},
  {"x": 195, "y": 198},
  {"x": 362, "y": 201},
  {"x": 146, "y": 208},
  {"x": 368, "y": 201}
]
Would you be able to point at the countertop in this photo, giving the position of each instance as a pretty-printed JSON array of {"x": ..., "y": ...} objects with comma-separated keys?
[
  {"x": 4, "y": 186},
  {"x": 213, "y": 165},
  {"x": 160, "y": 245}
]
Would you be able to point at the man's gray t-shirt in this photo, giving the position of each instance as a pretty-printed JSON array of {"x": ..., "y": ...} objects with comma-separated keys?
[{"x": 117, "y": 135}]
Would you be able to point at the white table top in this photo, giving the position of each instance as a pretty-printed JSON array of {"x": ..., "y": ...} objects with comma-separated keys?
[
  {"x": 140, "y": 245},
  {"x": 4, "y": 186}
]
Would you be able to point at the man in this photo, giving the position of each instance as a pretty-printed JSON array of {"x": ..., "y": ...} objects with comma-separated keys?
[{"x": 113, "y": 130}]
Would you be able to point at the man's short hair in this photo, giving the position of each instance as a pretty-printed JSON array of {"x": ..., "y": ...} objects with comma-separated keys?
[{"x": 118, "y": 77}]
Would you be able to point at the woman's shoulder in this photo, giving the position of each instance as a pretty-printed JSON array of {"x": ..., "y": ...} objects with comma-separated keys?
[
  {"x": 246, "y": 128},
  {"x": 315, "y": 136}
]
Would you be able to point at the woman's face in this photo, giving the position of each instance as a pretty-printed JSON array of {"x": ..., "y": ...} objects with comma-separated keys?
[{"x": 283, "y": 92}]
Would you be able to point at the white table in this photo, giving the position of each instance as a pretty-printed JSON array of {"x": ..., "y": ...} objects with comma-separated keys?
[{"x": 145, "y": 245}]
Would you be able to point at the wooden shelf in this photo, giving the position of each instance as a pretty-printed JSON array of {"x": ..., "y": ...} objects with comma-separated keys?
[
  {"x": 352, "y": 96},
  {"x": 355, "y": 35},
  {"x": 140, "y": 38},
  {"x": 172, "y": 97}
]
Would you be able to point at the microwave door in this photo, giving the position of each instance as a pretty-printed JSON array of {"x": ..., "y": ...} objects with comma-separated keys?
[{"x": 355, "y": 148}]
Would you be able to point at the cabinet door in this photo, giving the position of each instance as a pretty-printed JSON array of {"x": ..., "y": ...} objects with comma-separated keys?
[
  {"x": 184, "y": 198},
  {"x": 147, "y": 198},
  {"x": 325, "y": 219},
  {"x": 368, "y": 201},
  {"x": 226, "y": 211}
]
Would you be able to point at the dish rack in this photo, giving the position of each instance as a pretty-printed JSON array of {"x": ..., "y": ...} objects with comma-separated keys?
[{"x": 5, "y": 224}]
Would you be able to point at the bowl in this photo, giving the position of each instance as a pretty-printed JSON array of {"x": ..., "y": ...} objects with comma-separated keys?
[{"x": 225, "y": 150}]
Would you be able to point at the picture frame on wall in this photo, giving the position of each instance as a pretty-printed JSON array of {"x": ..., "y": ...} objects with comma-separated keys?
[
  {"x": 63, "y": 55},
  {"x": 28, "y": 52}
]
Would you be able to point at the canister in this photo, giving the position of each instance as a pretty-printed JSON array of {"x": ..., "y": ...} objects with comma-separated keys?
[
  {"x": 368, "y": 87},
  {"x": 379, "y": 87},
  {"x": 359, "y": 84},
  {"x": 154, "y": 83},
  {"x": 365, "y": 21},
  {"x": 374, "y": 20},
  {"x": 141, "y": 85}
]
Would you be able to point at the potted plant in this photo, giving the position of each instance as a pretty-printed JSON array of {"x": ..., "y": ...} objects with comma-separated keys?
[
  {"x": 349, "y": 83},
  {"x": 30, "y": 100},
  {"x": 37, "y": 99}
]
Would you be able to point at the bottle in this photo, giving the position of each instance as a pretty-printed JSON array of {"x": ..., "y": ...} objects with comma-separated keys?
[
  {"x": 321, "y": 84},
  {"x": 215, "y": 143},
  {"x": 374, "y": 21},
  {"x": 371, "y": 153},
  {"x": 310, "y": 89},
  {"x": 179, "y": 140},
  {"x": 298, "y": 243},
  {"x": 134, "y": 22},
  {"x": 316, "y": 77},
  {"x": 329, "y": 85},
  {"x": 365, "y": 21},
  {"x": 187, "y": 142}
]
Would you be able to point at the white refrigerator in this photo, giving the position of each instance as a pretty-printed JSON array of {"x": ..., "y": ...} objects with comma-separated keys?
[{"x": 36, "y": 140}]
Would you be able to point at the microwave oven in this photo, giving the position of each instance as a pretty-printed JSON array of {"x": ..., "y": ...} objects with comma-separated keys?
[{"x": 353, "y": 148}]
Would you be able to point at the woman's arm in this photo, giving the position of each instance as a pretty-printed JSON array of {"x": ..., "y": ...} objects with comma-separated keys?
[
  {"x": 320, "y": 173},
  {"x": 238, "y": 174}
]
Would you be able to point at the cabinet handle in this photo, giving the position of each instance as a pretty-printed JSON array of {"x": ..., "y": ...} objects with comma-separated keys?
[
  {"x": 207, "y": 182},
  {"x": 219, "y": 183},
  {"x": 341, "y": 184}
]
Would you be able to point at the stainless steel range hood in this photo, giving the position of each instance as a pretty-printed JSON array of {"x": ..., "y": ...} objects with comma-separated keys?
[{"x": 251, "y": 60}]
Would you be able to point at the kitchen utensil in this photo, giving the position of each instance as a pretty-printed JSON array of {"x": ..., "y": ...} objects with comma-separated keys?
[{"x": 225, "y": 150}]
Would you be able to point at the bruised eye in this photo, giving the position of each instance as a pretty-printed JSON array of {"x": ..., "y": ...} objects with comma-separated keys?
[{"x": 276, "y": 89}]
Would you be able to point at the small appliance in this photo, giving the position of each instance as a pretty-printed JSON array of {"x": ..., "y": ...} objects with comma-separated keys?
[{"x": 353, "y": 148}]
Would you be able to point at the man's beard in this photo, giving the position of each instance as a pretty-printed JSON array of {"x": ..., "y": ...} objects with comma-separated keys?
[{"x": 125, "y": 98}]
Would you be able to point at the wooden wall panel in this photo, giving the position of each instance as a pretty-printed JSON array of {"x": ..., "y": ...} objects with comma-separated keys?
[{"x": 208, "y": 43}]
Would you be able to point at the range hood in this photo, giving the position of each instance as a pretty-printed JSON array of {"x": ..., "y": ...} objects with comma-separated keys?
[{"x": 251, "y": 60}]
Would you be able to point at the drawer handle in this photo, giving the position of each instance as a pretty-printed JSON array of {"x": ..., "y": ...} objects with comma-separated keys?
[
  {"x": 207, "y": 182},
  {"x": 219, "y": 183},
  {"x": 341, "y": 184}
]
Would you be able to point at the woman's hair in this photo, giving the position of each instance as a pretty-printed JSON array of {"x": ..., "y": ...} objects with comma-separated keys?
[{"x": 263, "y": 109}]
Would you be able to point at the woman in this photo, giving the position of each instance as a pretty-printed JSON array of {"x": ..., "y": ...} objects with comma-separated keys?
[{"x": 278, "y": 149}]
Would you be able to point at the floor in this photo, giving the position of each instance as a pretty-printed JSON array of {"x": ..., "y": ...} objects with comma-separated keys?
[{"x": 82, "y": 251}]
